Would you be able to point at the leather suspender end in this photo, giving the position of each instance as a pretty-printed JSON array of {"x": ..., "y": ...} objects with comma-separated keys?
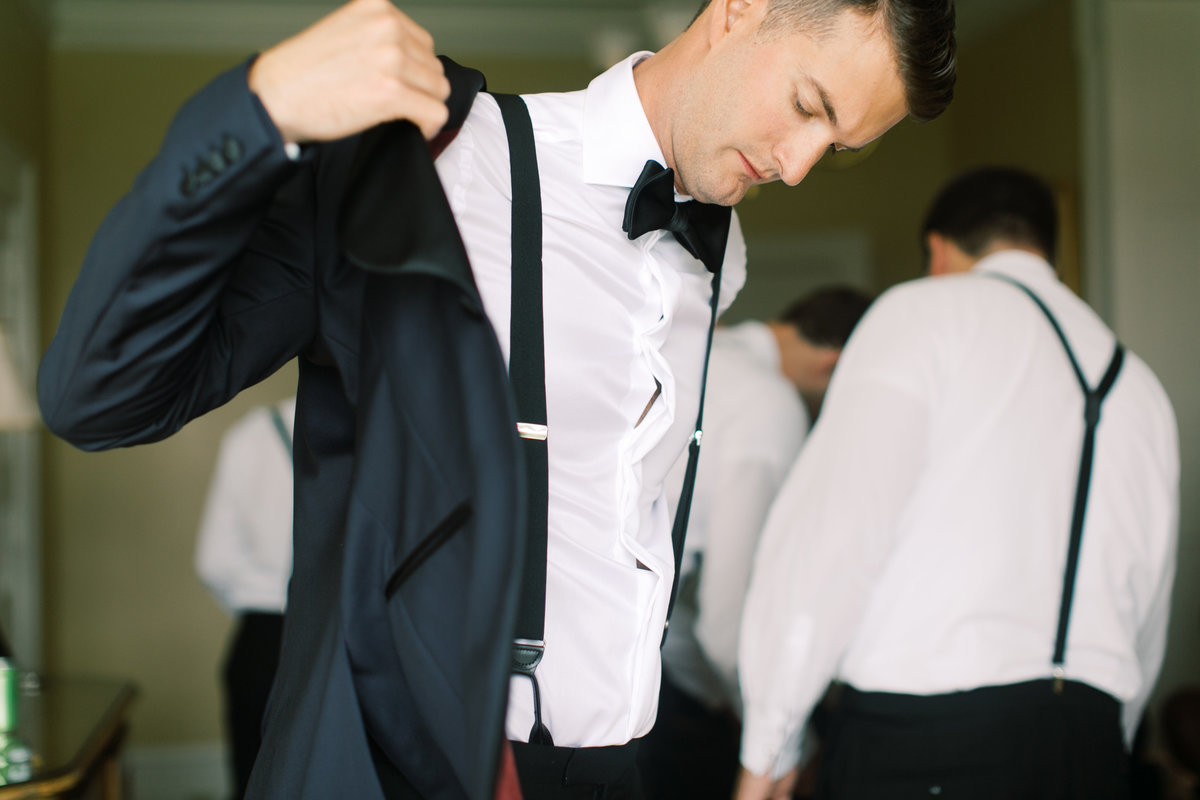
[{"x": 526, "y": 655}]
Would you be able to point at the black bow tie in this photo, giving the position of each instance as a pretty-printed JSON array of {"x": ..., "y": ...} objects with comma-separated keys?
[{"x": 701, "y": 228}]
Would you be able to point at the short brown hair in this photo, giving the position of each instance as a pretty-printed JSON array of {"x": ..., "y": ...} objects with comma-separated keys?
[
  {"x": 921, "y": 33},
  {"x": 825, "y": 317},
  {"x": 990, "y": 204}
]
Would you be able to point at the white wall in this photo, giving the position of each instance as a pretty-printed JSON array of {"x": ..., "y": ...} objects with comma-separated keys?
[{"x": 1142, "y": 126}]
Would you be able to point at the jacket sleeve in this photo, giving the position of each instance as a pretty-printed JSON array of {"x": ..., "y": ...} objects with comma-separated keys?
[{"x": 198, "y": 283}]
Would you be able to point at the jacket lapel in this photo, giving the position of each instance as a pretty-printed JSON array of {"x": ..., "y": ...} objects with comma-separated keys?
[{"x": 384, "y": 228}]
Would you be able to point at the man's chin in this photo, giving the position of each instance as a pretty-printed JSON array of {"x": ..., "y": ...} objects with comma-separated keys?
[
  {"x": 729, "y": 196},
  {"x": 714, "y": 188},
  {"x": 735, "y": 197}
]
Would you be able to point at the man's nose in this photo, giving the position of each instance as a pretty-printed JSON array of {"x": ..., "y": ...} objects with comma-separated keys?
[{"x": 797, "y": 157}]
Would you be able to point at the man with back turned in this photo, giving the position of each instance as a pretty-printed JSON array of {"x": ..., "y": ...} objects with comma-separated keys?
[{"x": 979, "y": 537}]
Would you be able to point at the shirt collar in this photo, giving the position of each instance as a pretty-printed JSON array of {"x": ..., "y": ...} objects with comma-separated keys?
[
  {"x": 617, "y": 139},
  {"x": 1019, "y": 264},
  {"x": 756, "y": 340}
]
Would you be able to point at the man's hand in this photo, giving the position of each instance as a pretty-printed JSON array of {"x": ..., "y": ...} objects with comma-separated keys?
[
  {"x": 508, "y": 785},
  {"x": 760, "y": 787},
  {"x": 361, "y": 65}
]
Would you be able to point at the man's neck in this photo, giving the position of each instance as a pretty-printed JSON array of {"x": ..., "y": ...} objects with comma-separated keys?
[{"x": 656, "y": 79}]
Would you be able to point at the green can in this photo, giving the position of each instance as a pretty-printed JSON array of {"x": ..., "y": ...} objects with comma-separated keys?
[{"x": 9, "y": 696}]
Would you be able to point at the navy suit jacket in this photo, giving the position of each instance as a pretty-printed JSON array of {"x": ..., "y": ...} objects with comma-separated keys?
[{"x": 225, "y": 261}]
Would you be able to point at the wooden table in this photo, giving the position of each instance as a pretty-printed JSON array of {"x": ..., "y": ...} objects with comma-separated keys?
[{"x": 75, "y": 728}]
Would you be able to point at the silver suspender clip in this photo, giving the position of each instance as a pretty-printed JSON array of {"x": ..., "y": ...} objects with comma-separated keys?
[
  {"x": 697, "y": 436},
  {"x": 532, "y": 430},
  {"x": 1060, "y": 675}
]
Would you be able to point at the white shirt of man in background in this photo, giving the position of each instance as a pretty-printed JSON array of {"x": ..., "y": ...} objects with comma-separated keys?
[
  {"x": 765, "y": 384},
  {"x": 244, "y": 547},
  {"x": 918, "y": 545}
]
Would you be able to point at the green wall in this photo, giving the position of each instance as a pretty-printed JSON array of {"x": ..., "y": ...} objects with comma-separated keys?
[
  {"x": 23, "y": 81},
  {"x": 122, "y": 598}
]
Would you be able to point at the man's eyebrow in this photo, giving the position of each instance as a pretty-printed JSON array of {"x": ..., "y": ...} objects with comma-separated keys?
[{"x": 829, "y": 112}]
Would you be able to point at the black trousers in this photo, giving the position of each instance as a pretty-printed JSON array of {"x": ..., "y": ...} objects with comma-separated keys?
[
  {"x": 547, "y": 773},
  {"x": 249, "y": 671},
  {"x": 588, "y": 773},
  {"x": 996, "y": 743},
  {"x": 692, "y": 753}
]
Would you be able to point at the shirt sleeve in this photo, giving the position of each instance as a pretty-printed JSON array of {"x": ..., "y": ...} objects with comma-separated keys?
[
  {"x": 198, "y": 283},
  {"x": 223, "y": 559},
  {"x": 1152, "y": 634},
  {"x": 1151, "y": 646},
  {"x": 830, "y": 530},
  {"x": 736, "y": 516}
]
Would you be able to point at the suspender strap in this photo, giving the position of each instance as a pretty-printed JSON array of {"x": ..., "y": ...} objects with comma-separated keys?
[
  {"x": 527, "y": 359},
  {"x": 684, "y": 509},
  {"x": 1093, "y": 398},
  {"x": 282, "y": 430},
  {"x": 527, "y": 373}
]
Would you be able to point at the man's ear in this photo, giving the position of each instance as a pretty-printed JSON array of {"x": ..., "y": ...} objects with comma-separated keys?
[
  {"x": 828, "y": 359},
  {"x": 730, "y": 14},
  {"x": 946, "y": 257},
  {"x": 938, "y": 247}
]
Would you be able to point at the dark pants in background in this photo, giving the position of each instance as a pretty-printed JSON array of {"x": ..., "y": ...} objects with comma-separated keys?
[
  {"x": 692, "y": 752},
  {"x": 589, "y": 773},
  {"x": 996, "y": 743},
  {"x": 249, "y": 672}
]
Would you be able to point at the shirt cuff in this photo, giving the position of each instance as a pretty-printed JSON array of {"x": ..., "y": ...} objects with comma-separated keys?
[{"x": 770, "y": 746}]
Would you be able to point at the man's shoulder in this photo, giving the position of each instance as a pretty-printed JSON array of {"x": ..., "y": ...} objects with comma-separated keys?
[
  {"x": 750, "y": 392},
  {"x": 739, "y": 371},
  {"x": 1154, "y": 409},
  {"x": 554, "y": 115},
  {"x": 930, "y": 301},
  {"x": 482, "y": 142},
  {"x": 909, "y": 305}
]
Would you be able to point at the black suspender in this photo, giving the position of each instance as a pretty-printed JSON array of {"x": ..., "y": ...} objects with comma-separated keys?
[
  {"x": 1093, "y": 398},
  {"x": 527, "y": 373},
  {"x": 684, "y": 509}
]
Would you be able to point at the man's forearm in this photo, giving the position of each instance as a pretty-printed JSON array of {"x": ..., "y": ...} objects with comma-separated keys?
[{"x": 155, "y": 329}]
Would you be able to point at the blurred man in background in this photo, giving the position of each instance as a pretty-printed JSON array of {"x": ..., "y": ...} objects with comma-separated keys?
[
  {"x": 978, "y": 540},
  {"x": 765, "y": 385}
]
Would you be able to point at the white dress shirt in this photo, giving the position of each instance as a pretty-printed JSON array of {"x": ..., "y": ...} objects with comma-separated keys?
[
  {"x": 918, "y": 545},
  {"x": 244, "y": 548},
  {"x": 621, "y": 319},
  {"x": 754, "y": 425}
]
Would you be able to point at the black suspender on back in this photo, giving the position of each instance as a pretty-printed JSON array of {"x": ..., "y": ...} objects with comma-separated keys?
[
  {"x": 281, "y": 429},
  {"x": 527, "y": 373},
  {"x": 1093, "y": 399}
]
